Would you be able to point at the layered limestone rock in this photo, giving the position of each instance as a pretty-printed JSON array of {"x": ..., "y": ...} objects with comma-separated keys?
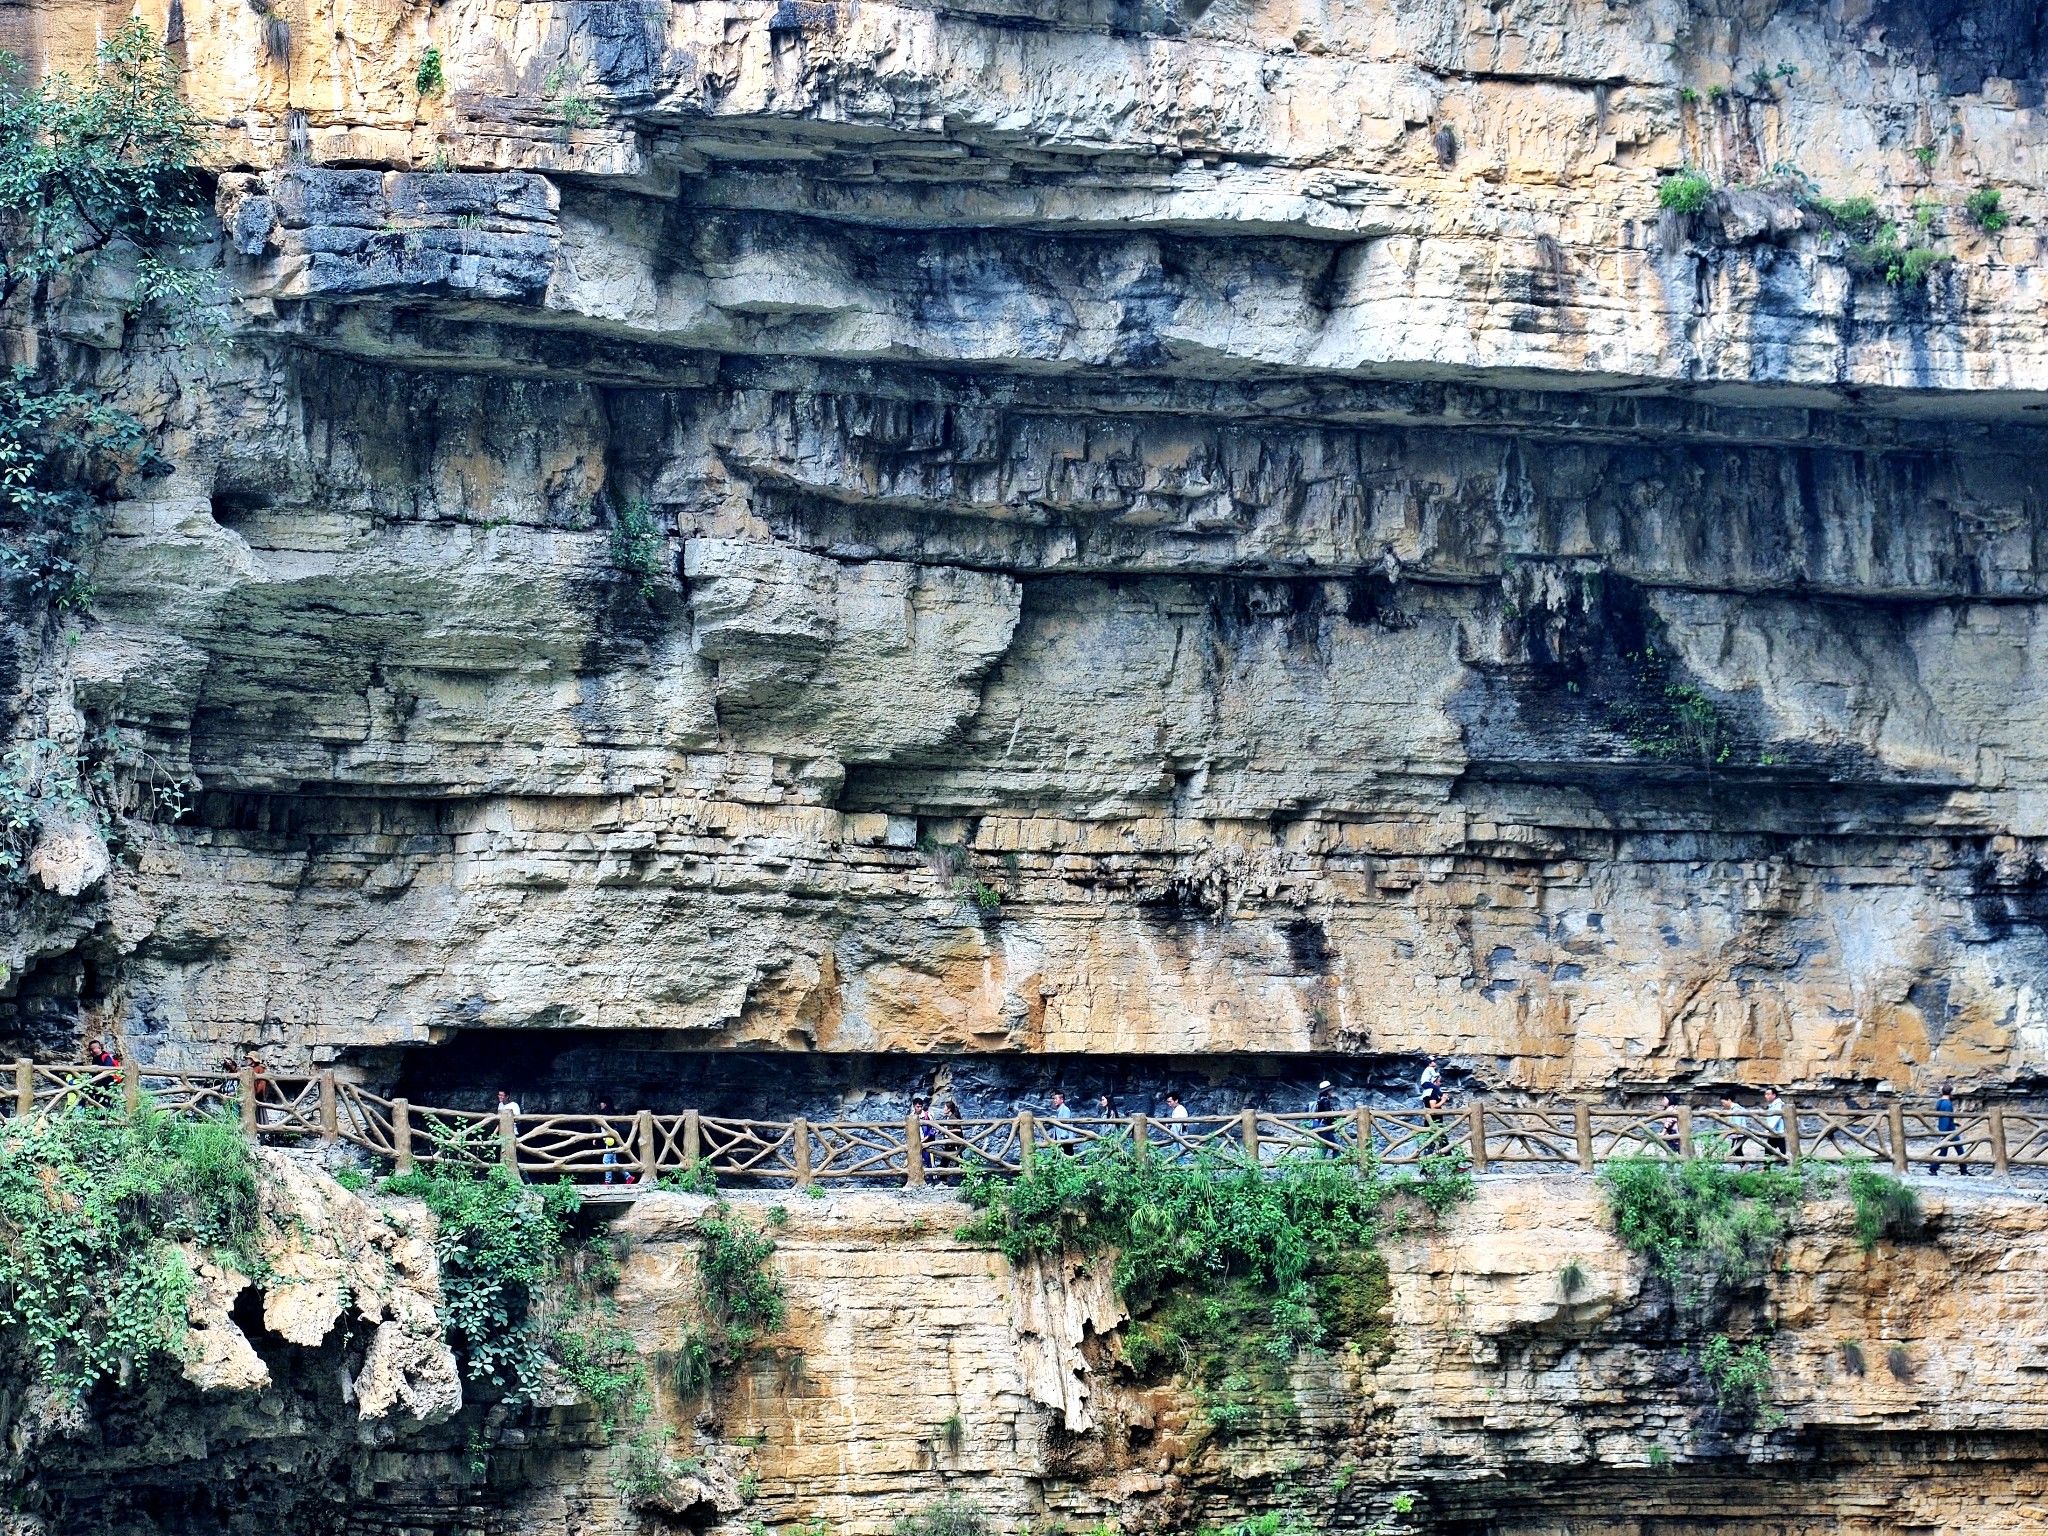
[
  {"x": 1524, "y": 1375},
  {"x": 1017, "y": 528},
  {"x": 1508, "y": 1396}
]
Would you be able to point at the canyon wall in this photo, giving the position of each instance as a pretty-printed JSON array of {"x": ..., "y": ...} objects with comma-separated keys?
[
  {"x": 1067, "y": 528},
  {"x": 1489, "y": 1391}
]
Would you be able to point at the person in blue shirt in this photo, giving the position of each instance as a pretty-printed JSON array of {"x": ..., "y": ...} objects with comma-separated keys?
[{"x": 1945, "y": 1127}]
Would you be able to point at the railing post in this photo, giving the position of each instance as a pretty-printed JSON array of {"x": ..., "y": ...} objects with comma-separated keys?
[
  {"x": 24, "y": 1086},
  {"x": 1895, "y": 1119},
  {"x": 1685, "y": 1130},
  {"x": 1365, "y": 1149},
  {"x": 131, "y": 1088},
  {"x": 1248, "y": 1128},
  {"x": 1791, "y": 1130},
  {"x": 913, "y": 1152},
  {"x": 1027, "y": 1135},
  {"x": 643, "y": 1139},
  {"x": 508, "y": 1139},
  {"x": 800, "y": 1135},
  {"x": 245, "y": 1090},
  {"x": 1478, "y": 1137},
  {"x": 1138, "y": 1137},
  {"x": 1582, "y": 1127},
  {"x": 330, "y": 1110},
  {"x": 1994, "y": 1125},
  {"x": 401, "y": 1136},
  {"x": 693, "y": 1139}
]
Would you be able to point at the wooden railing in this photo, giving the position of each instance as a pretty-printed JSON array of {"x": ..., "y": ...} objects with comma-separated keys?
[{"x": 630, "y": 1151}]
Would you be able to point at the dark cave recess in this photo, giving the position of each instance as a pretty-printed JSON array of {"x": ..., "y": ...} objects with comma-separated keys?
[{"x": 570, "y": 1074}]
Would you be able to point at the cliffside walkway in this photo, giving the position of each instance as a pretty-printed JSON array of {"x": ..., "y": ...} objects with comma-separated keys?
[{"x": 1564, "y": 1137}]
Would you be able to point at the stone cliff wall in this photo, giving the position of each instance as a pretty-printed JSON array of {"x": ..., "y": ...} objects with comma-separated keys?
[
  {"x": 1501, "y": 1396},
  {"x": 1166, "y": 529}
]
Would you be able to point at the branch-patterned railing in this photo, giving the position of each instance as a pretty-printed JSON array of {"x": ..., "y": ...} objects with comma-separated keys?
[{"x": 630, "y": 1151}]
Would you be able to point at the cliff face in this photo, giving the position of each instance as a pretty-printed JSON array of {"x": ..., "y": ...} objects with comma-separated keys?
[
  {"x": 1347, "y": 571},
  {"x": 1499, "y": 1394},
  {"x": 1261, "y": 492}
]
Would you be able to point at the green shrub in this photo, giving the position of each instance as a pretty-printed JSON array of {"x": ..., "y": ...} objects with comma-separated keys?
[
  {"x": 1900, "y": 264},
  {"x": 1884, "y": 1206},
  {"x": 637, "y": 547},
  {"x": 1986, "y": 210},
  {"x": 740, "y": 1298},
  {"x": 1856, "y": 215},
  {"x": 1685, "y": 191},
  {"x": 698, "y": 1180},
  {"x": 950, "y": 1516},
  {"x": 92, "y": 1204},
  {"x": 1741, "y": 1378},
  {"x": 597, "y": 1357},
  {"x": 1228, "y": 1271},
  {"x": 500, "y": 1243},
  {"x": 1706, "y": 1226},
  {"x": 428, "y": 79}
]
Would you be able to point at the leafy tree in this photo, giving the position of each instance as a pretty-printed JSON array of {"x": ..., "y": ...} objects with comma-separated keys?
[
  {"x": 88, "y": 165},
  {"x": 88, "y": 169}
]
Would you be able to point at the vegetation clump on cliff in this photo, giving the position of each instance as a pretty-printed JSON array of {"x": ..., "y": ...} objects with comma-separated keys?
[
  {"x": 97, "y": 1211},
  {"x": 101, "y": 181},
  {"x": 1229, "y": 1270},
  {"x": 500, "y": 1243},
  {"x": 740, "y": 1298},
  {"x": 1711, "y": 1229}
]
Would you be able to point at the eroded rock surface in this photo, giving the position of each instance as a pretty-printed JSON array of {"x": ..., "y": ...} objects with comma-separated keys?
[{"x": 1154, "y": 528}]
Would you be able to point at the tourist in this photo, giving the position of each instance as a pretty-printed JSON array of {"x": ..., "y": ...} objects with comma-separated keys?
[
  {"x": 1175, "y": 1110},
  {"x": 952, "y": 1132},
  {"x": 1945, "y": 1126},
  {"x": 608, "y": 1139},
  {"x": 508, "y": 1104},
  {"x": 927, "y": 1133},
  {"x": 1062, "y": 1133},
  {"x": 1774, "y": 1123},
  {"x": 1667, "y": 1126},
  {"x": 97, "y": 1053},
  {"x": 1105, "y": 1109},
  {"x": 1738, "y": 1126},
  {"x": 1432, "y": 1078},
  {"x": 1325, "y": 1109},
  {"x": 259, "y": 1088}
]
